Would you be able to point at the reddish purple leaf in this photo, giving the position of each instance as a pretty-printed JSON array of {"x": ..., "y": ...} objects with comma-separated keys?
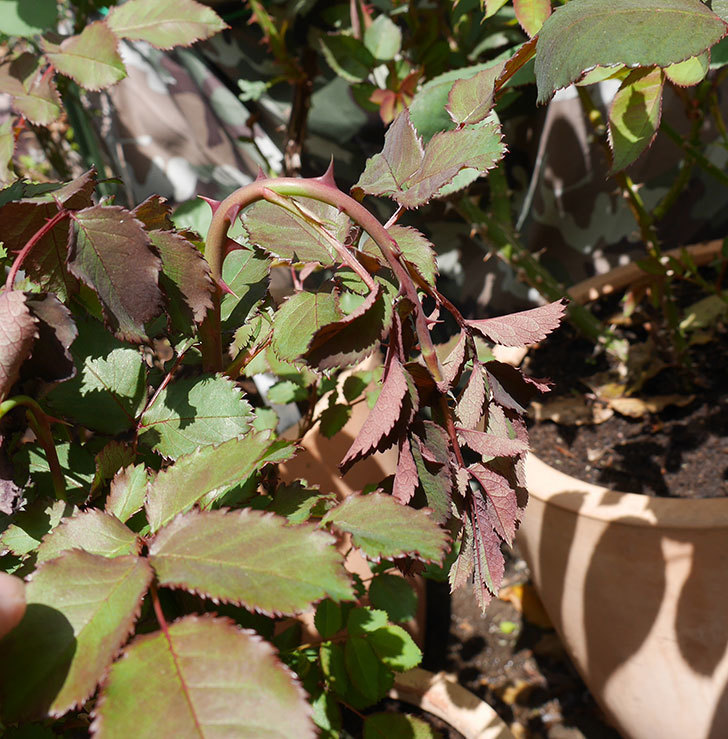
[
  {"x": 453, "y": 366},
  {"x": 377, "y": 431},
  {"x": 104, "y": 242},
  {"x": 405, "y": 479},
  {"x": 469, "y": 409},
  {"x": 489, "y": 445},
  {"x": 488, "y": 562},
  {"x": 185, "y": 275},
  {"x": 18, "y": 332},
  {"x": 154, "y": 213},
  {"x": 462, "y": 567},
  {"x": 510, "y": 388},
  {"x": 56, "y": 333},
  {"x": 523, "y": 328},
  {"x": 502, "y": 506}
]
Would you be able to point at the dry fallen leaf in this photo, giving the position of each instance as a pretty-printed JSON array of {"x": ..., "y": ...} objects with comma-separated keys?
[
  {"x": 571, "y": 411},
  {"x": 639, "y": 407},
  {"x": 525, "y": 600}
]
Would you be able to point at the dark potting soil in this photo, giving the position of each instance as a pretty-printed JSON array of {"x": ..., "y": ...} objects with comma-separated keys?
[{"x": 680, "y": 451}]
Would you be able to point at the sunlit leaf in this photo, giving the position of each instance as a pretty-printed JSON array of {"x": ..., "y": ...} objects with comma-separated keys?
[
  {"x": 128, "y": 490},
  {"x": 109, "y": 389},
  {"x": 18, "y": 332},
  {"x": 381, "y": 527},
  {"x": 383, "y": 38},
  {"x": 90, "y": 58},
  {"x": 194, "y": 412},
  {"x": 522, "y": 328},
  {"x": 31, "y": 525},
  {"x": 81, "y": 608},
  {"x": 634, "y": 116},
  {"x": 27, "y": 18},
  {"x": 185, "y": 278},
  {"x": 210, "y": 469},
  {"x": 93, "y": 531},
  {"x": 251, "y": 558},
  {"x": 288, "y": 236},
  {"x": 210, "y": 679},
  {"x": 689, "y": 72},
  {"x": 377, "y": 431},
  {"x": 34, "y": 93},
  {"x": 501, "y": 507},
  {"x": 7, "y": 146},
  {"x": 366, "y": 672},
  {"x": 531, "y": 14},
  {"x": 104, "y": 242},
  {"x": 415, "y": 247},
  {"x": 395, "y": 647},
  {"x": 397, "y": 726},
  {"x": 471, "y": 99},
  {"x": 469, "y": 409},
  {"x": 640, "y": 32},
  {"x": 296, "y": 321},
  {"x": 164, "y": 23}
]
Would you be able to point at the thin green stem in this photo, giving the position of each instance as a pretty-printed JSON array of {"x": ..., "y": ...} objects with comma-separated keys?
[{"x": 40, "y": 424}]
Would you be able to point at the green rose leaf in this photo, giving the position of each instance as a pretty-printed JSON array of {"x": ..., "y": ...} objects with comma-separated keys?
[
  {"x": 381, "y": 527},
  {"x": 395, "y": 648},
  {"x": 397, "y": 726},
  {"x": 210, "y": 678},
  {"x": 641, "y": 33},
  {"x": 90, "y": 58},
  {"x": 209, "y": 470},
  {"x": 394, "y": 595},
  {"x": 94, "y": 532},
  {"x": 291, "y": 236},
  {"x": 195, "y": 412},
  {"x": 635, "y": 115},
  {"x": 298, "y": 319},
  {"x": 383, "y": 38},
  {"x": 347, "y": 56},
  {"x": 109, "y": 389},
  {"x": 251, "y": 558},
  {"x": 164, "y": 23},
  {"x": 27, "y": 18},
  {"x": 34, "y": 93},
  {"x": 81, "y": 608},
  {"x": 128, "y": 490}
]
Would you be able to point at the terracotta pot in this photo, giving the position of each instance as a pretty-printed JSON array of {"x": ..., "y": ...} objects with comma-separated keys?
[
  {"x": 441, "y": 695},
  {"x": 637, "y": 588}
]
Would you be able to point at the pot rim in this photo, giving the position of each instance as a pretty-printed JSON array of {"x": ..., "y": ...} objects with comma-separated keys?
[{"x": 556, "y": 488}]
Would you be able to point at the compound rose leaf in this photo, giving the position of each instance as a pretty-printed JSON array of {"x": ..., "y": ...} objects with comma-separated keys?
[
  {"x": 469, "y": 409},
  {"x": 376, "y": 432},
  {"x": 211, "y": 678},
  {"x": 195, "y": 412},
  {"x": 405, "y": 478},
  {"x": 94, "y": 532},
  {"x": 56, "y": 333},
  {"x": 382, "y": 527},
  {"x": 501, "y": 508},
  {"x": 18, "y": 332},
  {"x": 531, "y": 14},
  {"x": 81, "y": 608},
  {"x": 387, "y": 172},
  {"x": 164, "y": 23},
  {"x": 641, "y": 33},
  {"x": 185, "y": 278},
  {"x": 488, "y": 561},
  {"x": 91, "y": 58},
  {"x": 291, "y": 236},
  {"x": 127, "y": 493},
  {"x": 522, "y": 328},
  {"x": 252, "y": 558},
  {"x": 208, "y": 470},
  {"x": 103, "y": 243},
  {"x": 155, "y": 213},
  {"x": 350, "y": 339},
  {"x": 490, "y": 445},
  {"x": 298, "y": 319},
  {"x": 470, "y": 100},
  {"x": 34, "y": 94},
  {"x": 634, "y": 115}
]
